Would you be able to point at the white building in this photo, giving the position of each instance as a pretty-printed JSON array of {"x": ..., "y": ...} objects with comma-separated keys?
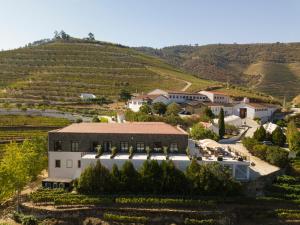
[
  {"x": 255, "y": 110},
  {"x": 215, "y": 96},
  {"x": 87, "y": 96},
  {"x": 216, "y": 108},
  {"x": 136, "y": 102},
  {"x": 181, "y": 97}
]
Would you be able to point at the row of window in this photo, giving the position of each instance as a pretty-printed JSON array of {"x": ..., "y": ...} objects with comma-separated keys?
[
  {"x": 187, "y": 97},
  {"x": 69, "y": 163},
  {"x": 260, "y": 110},
  {"x": 124, "y": 146},
  {"x": 219, "y": 97}
]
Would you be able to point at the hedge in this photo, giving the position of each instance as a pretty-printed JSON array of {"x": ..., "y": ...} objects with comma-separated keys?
[
  {"x": 130, "y": 219},
  {"x": 188, "y": 221}
]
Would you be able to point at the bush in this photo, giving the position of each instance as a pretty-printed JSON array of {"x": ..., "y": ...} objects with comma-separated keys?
[
  {"x": 278, "y": 137},
  {"x": 199, "y": 132},
  {"x": 29, "y": 220},
  {"x": 129, "y": 219},
  {"x": 272, "y": 154},
  {"x": 188, "y": 221}
]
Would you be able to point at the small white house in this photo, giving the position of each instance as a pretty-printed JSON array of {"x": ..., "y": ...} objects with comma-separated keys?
[
  {"x": 136, "y": 102},
  {"x": 255, "y": 110},
  {"x": 215, "y": 96},
  {"x": 87, "y": 96}
]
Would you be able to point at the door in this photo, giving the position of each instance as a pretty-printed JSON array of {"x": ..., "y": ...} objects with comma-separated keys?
[{"x": 243, "y": 112}]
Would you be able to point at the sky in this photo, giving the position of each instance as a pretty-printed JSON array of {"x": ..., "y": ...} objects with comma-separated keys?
[{"x": 153, "y": 23}]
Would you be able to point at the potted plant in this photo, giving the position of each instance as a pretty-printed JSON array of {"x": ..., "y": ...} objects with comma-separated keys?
[
  {"x": 113, "y": 152},
  {"x": 99, "y": 150},
  {"x": 166, "y": 152},
  {"x": 131, "y": 152},
  {"x": 188, "y": 153},
  {"x": 148, "y": 151}
]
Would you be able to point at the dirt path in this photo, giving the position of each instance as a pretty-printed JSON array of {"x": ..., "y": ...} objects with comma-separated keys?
[{"x": 188, "y": 84}]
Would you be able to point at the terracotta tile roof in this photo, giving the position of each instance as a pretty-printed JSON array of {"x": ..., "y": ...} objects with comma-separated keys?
[
  {"x": 122, "y": 128},
  {"x": 185, "y": 93},
  {"x": 217, "y": 104},
  {"x": 146, "y": 97},
  {"x": 261, "y": 105},
  {"x": 218, "y": 93}
]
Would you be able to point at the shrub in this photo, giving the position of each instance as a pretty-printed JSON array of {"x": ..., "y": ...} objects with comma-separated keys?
[
  {"x": 188, "y": 221},
  {"x": 199, "y": 132},
  {"x": 129, "y": 219},
  {"x": 131, "y": 152},
  {"x": 113, "y": 152},
  {"x": 29, "y": 220},
  {"x": 95, "y": 119}
]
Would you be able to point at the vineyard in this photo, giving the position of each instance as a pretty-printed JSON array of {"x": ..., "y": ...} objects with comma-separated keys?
[{"x": 18, "y": 127}]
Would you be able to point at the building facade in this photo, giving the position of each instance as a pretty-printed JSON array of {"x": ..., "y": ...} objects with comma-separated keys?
[
  {"x": 68, "y": 145},
  {"x": 255, "y": 110},
  {"x": 217, "y": 97}
]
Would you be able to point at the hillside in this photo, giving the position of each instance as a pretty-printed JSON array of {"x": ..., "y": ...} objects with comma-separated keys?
[
  {"x": 58, "y": 71},
  {"x": 271, "y": 68}
]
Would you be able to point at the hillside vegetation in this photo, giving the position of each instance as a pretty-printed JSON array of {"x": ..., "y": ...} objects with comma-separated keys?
[
  {"x": 271, "y": 68},
  {"x": 57, "y": 71}
]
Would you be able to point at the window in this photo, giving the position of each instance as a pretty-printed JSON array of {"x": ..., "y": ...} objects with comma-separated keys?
[
  {"x": 79, "y": 163},
  {"x": 57, "y": 163},
  {"x": 157, "y": 146},
  {"x": 57, "y": 145},
  {"x": 124, "y": 146},
  {"x": 140, "y": 147},
  {"x": 74, "y": 146},
  {"x": 173, "y": 147},
  {"x": 69, "y": 163}
]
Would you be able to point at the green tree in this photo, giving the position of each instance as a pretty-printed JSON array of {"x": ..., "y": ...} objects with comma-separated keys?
[
  {"x": 14, "y": 172},
  {"x": 260, "y": 134},
  {"x": 221, "y": 123},
  {"x": 173, "y": 109},
  {"x": 173, "y": 180},
  {"x": 95, "y": 179},
  {"x": 151, "y": 175},
  {"x": 145, "y": 109},
  {"x": 199, "y": 132},
  {"x": 116, "y": 179},
  {"x": 293, "y": 137},
  {"x": 125, "y": 95},
  {"x": 130, "y": 178},
  {"x": 159, "y": 108},
  {"x": 20, "y": 164},
  {"x": 278, "y": 137},
  {"x": 208, "y": 113},
  {"x": 91, "y": 36}
]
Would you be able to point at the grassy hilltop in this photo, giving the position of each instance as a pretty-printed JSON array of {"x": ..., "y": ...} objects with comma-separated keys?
[
  {"x": 270, "y": 68},
  {"x": 59, "y": 70}
]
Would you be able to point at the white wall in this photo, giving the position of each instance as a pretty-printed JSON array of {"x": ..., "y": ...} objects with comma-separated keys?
[
  {"x": 135, "y": 105},
  {"x": 218, "y": 98},
  {"x": 63, "y": 171}
]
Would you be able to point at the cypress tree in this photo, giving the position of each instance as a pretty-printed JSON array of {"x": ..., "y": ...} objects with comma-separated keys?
[
  {"x": 260, "y": 134},
  {"x": 278, "y": 137},
  {"x": 221, "y": 123}
]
